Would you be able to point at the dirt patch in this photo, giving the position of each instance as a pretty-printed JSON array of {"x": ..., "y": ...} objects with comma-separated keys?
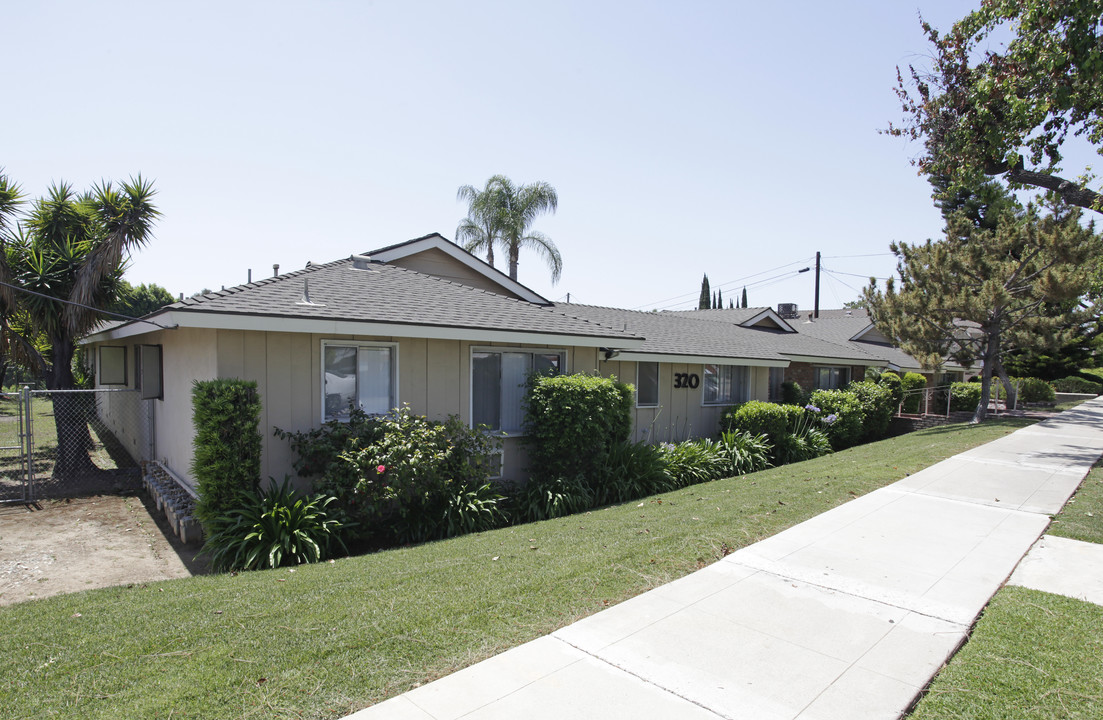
[{"x": 62, "y": 546}]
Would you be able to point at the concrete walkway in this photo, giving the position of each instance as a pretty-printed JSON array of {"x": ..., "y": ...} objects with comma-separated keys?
[{"x": 845, "y": 616}]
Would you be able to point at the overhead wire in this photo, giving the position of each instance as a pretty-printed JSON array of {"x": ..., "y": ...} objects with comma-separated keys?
[
  {"x": 685, "y": 297},
  {"x": 86, "y": 307}
]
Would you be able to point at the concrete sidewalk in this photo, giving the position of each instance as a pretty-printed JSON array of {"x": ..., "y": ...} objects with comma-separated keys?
[{"x": 845, "y": 616}]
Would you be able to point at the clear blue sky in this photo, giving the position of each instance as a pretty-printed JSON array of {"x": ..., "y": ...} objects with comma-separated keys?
[{"x": 723, "y": 137}]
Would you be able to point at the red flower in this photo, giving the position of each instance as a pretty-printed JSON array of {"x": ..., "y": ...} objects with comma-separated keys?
[{"x": 381, "y": 469}]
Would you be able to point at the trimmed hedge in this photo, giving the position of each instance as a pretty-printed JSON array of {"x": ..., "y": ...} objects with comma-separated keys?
[
  {"x": 1074, "y": 384},
  {"x": 1035, "y": 390},
  {"x": 964, "y": 396},
  {"x": 841, "y": 413},
  {"x": 892, "y": 381},
  {"x": 572, "y": 422},
  {"x": 878, "y": 407},
  {"x": 226, "y": 461},
  {"x": 911, "y": 382},
  {"x": 762, "y": 418}
]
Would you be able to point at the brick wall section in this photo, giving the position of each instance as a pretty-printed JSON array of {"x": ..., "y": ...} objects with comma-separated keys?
[{"x": 804, "y": 373}]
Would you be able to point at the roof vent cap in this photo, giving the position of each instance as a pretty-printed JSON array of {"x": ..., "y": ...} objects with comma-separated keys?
[{"x": 361, "y": 262}]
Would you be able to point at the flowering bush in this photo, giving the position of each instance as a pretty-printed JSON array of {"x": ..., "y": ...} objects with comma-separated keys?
[
  {"x": 845, "y": 428},
  {"x": 401, "y": 477}
]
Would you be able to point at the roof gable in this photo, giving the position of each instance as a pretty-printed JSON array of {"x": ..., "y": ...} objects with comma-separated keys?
[{"x": 435, "y": 255}]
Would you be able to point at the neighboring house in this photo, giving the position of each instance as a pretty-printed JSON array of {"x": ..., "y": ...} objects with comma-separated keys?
[{"x": 428, "y": 324}]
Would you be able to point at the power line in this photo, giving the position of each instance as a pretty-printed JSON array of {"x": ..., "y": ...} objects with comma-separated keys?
[
  {"x": 678, "y": 299},
  {"x": 86, "y": 307},
  {"x": 842, "y": 257}
]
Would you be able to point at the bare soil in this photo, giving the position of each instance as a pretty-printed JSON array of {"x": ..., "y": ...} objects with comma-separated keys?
[{"x": 63, "y": 546}]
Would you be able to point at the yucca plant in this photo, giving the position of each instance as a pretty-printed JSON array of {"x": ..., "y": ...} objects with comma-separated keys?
[{"x": 273, "y": 527}]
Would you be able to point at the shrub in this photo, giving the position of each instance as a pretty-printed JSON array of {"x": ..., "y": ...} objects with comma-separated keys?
[
  {"x": 804, "y": 443},
  {"x": 892, "y": 381},
  {"x": 760, "y": 418},
  {"x": 878, "y": 407},
  {"x": 1035, "y": 390},
  {"x": 743, "y": 453},
  {"x": 964, "y": 396},
  {"x": 546, "y": 498},
  {"x": 1073, "y": 384},
  {"x": 692, "y": 462},
  {"x": 630, "y": 471},
  {"x": 841, "y": 415},
  {"x": 401, "y": 477},
  {"x": 572, "y": 421},
  {"x": 910, "y": 384},
  {"x": 792, "y": 393},
  {"x": 226, "y": 458},
  {"x": 271, "y": 528}
]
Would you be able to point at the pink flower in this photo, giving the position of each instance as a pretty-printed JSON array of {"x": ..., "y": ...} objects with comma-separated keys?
[{"x": 381, "y": 469}]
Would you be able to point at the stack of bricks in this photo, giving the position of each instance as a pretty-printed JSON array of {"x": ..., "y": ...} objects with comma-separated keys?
[{"x": 175, "y": 499}]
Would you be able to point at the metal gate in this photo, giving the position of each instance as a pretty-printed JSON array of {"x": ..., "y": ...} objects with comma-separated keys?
[{"x": 66, "y": 443}]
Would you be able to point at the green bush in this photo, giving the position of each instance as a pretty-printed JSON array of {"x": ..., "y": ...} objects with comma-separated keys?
[
  {"x": 1074, "y": 384},
  {"x": 271, "y": 528},
  {"x": 964, "y": 396},
  {"x": 554, "y": 497},
  {"x": 227, "y": 445},
  {"x": 756, "y": 418},
  {"x": 630, "y": 471},
  {"x": 1035, "y": 390},
  {"x": 572, "y": 421},
  {"x": 841, "y": 416},
  {"x": 892, "y": 381},
  {"x": 804, "y": 443},
  {"x": 692, "y": 462},
  {"x": 878, "y": 407},
  {"x": 792, "y": 393},
  {"x": 402, "y": 478},
  {"x": 910, "y": 383},
  {"x": 743, "y": 453}
]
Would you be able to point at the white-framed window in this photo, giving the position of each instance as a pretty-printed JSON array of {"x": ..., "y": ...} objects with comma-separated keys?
[
  {"x": 358, "y": 374},
  {"x": 112, "y": 365},
  {"x": 498, "y": 384},
  {"x": 777, "y": 379},
  {"x": 647, "y": 384},
  {"x": 149, "y": 372},
  {"x": 830, "y": 378},
  {"x": 726, "y": 384}
]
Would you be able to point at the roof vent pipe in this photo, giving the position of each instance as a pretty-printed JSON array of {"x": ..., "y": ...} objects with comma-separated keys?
[
  {"x": 250, "y": 275},
  {"x": 275, "y": 269},
  {"x": 305, "y": 300}
]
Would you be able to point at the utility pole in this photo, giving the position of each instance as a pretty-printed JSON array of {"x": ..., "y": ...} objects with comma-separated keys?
[{"x": 816, "y": 310}]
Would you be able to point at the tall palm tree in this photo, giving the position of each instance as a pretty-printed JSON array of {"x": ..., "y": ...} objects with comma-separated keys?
[
  {"x": 502, "y": 214},
  {"x": 478, "y": 231}
]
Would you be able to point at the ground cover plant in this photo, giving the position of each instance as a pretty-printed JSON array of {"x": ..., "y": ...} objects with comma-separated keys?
[{"x": 322, "y": 640}]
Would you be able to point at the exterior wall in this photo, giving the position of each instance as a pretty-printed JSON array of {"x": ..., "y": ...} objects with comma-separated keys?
[
  {"x": 681, "y": 414},
  {"x": 187, "y": 355},
  {"x": 438, "y": 263},
  {"x": 804, "y": 374}
]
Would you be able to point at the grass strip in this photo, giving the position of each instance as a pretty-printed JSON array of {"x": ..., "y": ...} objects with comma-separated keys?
[
  {"x": 1032, "y": 656},
  {"x": 1082, "y": 516},
  {"x": 322, "y": 641}
]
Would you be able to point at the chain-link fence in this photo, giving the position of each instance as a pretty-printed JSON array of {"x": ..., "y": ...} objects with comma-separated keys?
[{"x": 72, "y": 442}]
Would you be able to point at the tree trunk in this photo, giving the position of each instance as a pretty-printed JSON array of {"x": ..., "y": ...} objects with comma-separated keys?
[
  {"x": 70, "y": 415},
  {"x": 1007, "y": 384},
  {"x": 991, "y": 359},
  {"x": 514, "y": 252}
]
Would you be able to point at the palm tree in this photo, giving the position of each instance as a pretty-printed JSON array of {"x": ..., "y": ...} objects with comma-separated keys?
[
  {"x": 478, "y": 231},
  {"x": 70, "y": 252},
  {"x": 502, "y": 214}
]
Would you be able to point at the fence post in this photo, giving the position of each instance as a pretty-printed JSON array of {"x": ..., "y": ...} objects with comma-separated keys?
[{"x": 27, "y": 443}]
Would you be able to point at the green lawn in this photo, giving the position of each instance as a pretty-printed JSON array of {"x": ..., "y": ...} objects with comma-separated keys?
[
  {"x": 1032, "y": 655},
  {"x": 324, "y": 640}
]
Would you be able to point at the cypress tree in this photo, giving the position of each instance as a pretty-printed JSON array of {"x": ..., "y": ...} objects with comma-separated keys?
[
  {"x": 706, "y": 296},
  {"x": 744, "y": 296}
]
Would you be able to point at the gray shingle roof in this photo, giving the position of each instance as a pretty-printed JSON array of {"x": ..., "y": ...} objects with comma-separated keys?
[
  {"x": 669, "y": 333},
  {"x": 383, "y": 293}
]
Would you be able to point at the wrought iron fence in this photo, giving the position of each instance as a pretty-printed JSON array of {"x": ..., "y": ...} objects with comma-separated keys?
[{"x": 64, "y": 443}]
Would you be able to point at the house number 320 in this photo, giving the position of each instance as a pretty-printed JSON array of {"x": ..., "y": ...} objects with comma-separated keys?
[{"x": 686, "y": 380}]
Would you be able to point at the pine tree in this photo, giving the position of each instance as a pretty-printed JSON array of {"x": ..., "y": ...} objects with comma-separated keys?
[
  {"x": 706, "y": 296},
  {"x": 1017, "y": 281},
  {"x": 719, "y": 299},
  {"x": 744, "y": 296}
]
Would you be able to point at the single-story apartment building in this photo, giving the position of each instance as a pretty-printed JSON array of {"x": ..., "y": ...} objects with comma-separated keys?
[{"x": 427, "y": 324}]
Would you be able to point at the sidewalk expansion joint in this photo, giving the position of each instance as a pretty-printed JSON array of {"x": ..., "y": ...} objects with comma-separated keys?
[{"x": 644, "y": 680}]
